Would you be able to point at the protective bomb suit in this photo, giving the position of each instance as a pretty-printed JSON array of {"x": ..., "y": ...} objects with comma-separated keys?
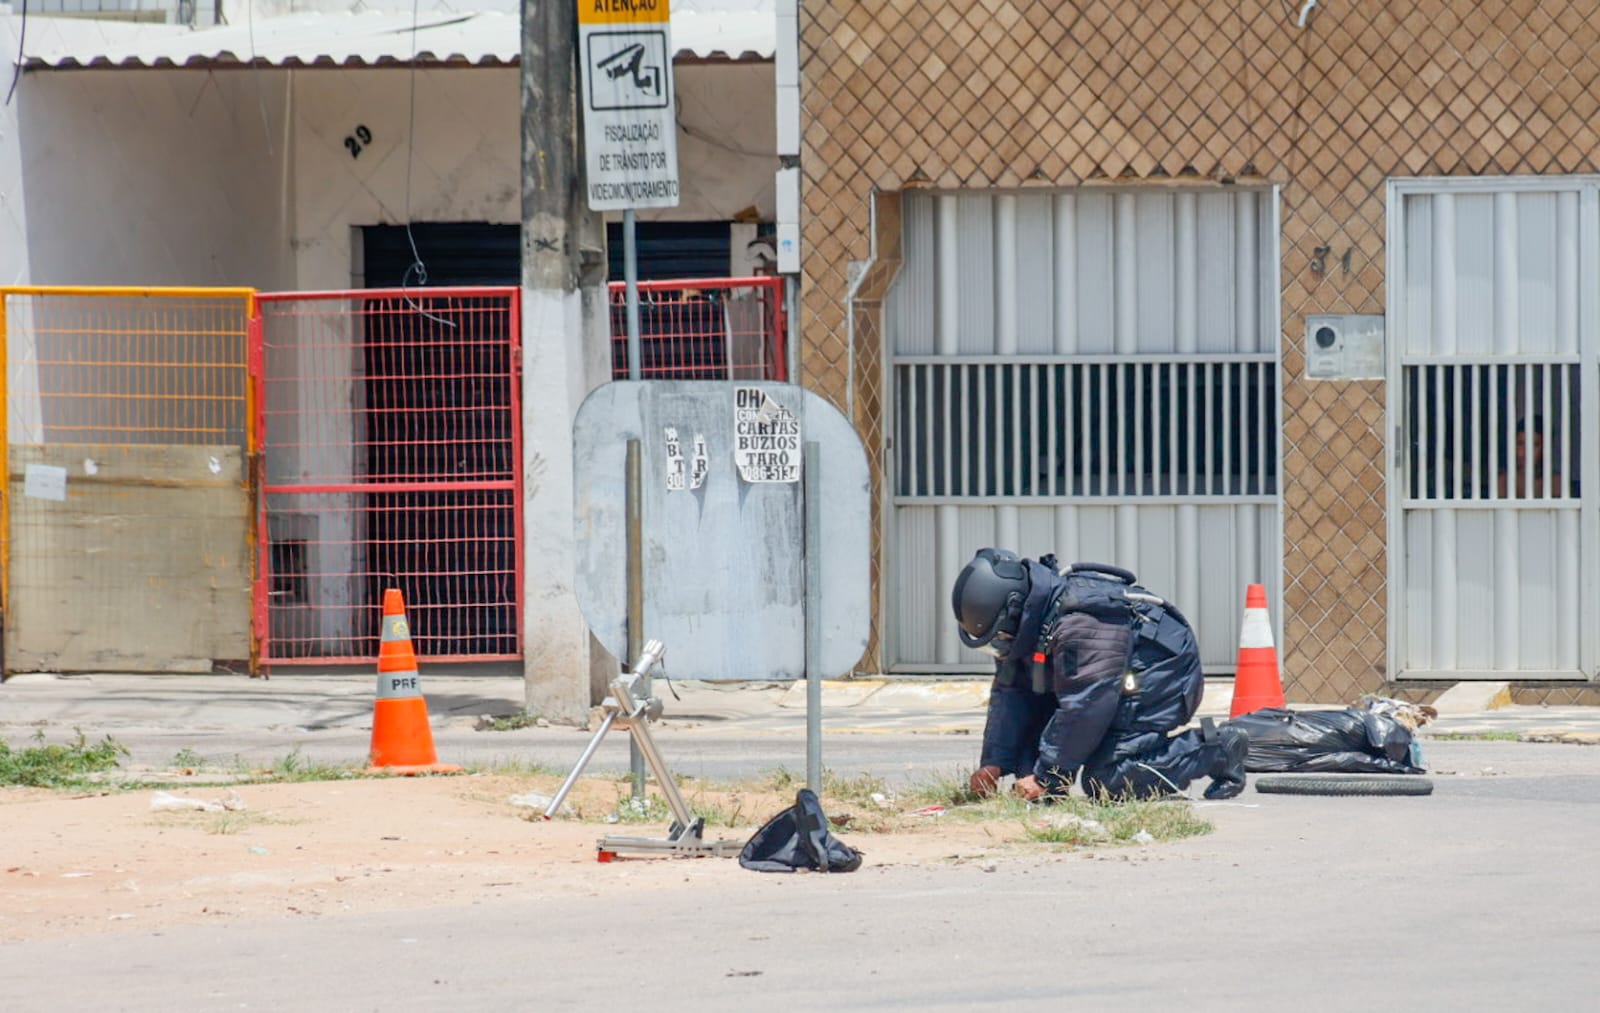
[{"x": 1092, "y": 674}]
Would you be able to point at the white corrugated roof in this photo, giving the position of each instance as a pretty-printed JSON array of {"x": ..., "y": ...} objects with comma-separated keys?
[{"x": 370, "y": 39}]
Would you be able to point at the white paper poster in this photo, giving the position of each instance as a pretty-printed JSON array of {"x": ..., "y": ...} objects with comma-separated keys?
[
  {"x": 677, "y": 467},
  {"x": 45, "y": 481},
  {"x": 766, "y": 438}
]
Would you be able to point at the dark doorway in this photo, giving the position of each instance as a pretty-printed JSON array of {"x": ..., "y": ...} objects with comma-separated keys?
[{"x": 441, "y": 433}]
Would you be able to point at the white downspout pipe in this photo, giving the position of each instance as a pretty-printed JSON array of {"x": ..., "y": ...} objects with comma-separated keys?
[{"x": 859, "y": 270}]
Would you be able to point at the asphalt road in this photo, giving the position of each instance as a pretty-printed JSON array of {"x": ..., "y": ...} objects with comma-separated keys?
[{"x": 1481, "y": 896}]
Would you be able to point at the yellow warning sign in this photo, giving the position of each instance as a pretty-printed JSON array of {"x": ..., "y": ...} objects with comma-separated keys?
[
  {"x": 622, "y": 12},
  {"x": 630, "y": 128}
]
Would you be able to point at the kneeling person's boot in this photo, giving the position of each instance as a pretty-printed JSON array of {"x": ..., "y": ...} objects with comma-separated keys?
[{"x": 1227, "y": 770}]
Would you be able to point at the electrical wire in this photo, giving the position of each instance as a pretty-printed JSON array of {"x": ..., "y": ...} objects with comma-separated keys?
[
  {"x": 701, "y": 135},
  {"x": 22, "y": 42},
  {"x": 417, "y": 266},
  {"x": 1175, "y": 789},
  {"x": 255, "y": 71}
]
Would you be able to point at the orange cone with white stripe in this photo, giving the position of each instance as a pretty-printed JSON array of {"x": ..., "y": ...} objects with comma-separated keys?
[
  {"x": 402, "y": 742},
  {"x": 1256, "y": 683}
]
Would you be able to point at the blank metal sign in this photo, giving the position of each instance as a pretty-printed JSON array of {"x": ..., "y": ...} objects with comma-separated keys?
[{"x": 723, "y": 522}]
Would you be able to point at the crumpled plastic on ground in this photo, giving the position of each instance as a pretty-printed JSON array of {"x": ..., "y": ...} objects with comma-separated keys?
[
  {"x": 534, "y": 800},
  {"x": 165, "y": 801},
  {"x": 1410, "y": 715},
  {"x": 1071, "y": 821}
]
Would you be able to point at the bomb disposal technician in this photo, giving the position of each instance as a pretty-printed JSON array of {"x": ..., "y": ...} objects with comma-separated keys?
[{"x": 1092, "y": 675}]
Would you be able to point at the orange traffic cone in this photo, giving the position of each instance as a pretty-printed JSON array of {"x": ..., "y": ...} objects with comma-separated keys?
[
  {"x": 1256, "y": 683},
  {"x": 402, "y": 742}
]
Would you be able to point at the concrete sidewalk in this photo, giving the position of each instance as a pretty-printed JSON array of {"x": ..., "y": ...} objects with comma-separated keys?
[{"x": 309, "y": 703}]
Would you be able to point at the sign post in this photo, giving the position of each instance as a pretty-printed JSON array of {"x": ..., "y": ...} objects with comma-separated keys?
[
  {"x": 630, "y": 129},
  {"x": 630, "y": 135}
]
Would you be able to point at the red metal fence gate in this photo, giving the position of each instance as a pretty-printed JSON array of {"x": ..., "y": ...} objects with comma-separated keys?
[
  {"x": 390, "y": 423},
  {"x": 703, "y": 329}
]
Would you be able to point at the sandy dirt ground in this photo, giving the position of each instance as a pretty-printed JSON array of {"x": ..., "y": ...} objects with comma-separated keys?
[{"x": 83, "y": 863}]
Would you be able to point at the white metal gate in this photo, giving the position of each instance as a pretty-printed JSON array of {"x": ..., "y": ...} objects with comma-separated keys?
[
  {"x": 1089, "y": 373},
  {"x": 1493, "y": 337}
]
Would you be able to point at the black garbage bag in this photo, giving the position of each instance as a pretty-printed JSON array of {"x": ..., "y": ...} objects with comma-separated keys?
[
  {"x": 798, "y": 838},
  {"x": 1333, "y": 741}
]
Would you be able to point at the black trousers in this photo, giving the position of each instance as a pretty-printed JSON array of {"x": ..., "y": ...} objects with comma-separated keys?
[
  {"x": 1149, "y": 764},
  {"x": 1127, "y": 764}
]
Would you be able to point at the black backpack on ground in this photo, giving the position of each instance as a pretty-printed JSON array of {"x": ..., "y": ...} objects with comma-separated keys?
[{"x": 798, "y": 838}]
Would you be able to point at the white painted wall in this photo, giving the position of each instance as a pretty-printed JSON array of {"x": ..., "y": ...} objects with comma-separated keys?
[
  {"x": 153, "y": 178},
  {"x": 465, "y": 159},
  {"x": 13, "y": 209},
  {"x": 727, "y": 142},
  {"x": 189, "y": 177},
  {"x": 22, "y": 405}
]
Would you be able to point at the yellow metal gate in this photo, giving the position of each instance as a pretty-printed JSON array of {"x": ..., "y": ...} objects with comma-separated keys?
[{"x": 125, "y": 525}]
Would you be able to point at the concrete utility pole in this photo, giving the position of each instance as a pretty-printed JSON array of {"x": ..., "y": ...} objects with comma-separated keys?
[{"x": 564, "y": 336}]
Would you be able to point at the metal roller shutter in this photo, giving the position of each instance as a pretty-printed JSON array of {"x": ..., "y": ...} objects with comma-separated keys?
[{"x": 1093, "y": 374}]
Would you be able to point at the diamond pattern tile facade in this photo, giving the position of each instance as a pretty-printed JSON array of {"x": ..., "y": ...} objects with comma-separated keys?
[
  {"x": 1556, "y": 696},
  {"x": 1021, "y": 93}
]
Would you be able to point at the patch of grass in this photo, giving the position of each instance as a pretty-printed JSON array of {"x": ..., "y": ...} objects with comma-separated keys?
[
  {"x": 58, "y": 766},
  {"x": 513, "y": 766},
  {"x": 1085, "y": 821},
  {"x": 731, "y": 813},
  {"x": 944, "y": 788},
  {"x": 858, "y": 789},
  {"x": 507, "y": 722},
  {"x": 728, "y": 811},
  {"x": 836, "y": 787},
  {"x": 187, "y": 758},
  {"x": 222, "y": 824},
  {"x": 1492, "y": 736},
  {"x": 229, "y": 823},
  {"x": 1076, "y": 821},
  {"x": 644, "y": 809},
  {"x": 782, "y": 779},
  {"x": 295, "y": 768}
]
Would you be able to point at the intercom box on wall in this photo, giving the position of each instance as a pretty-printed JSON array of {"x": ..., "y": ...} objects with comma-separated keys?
[{"x": 1344, "y": 346}]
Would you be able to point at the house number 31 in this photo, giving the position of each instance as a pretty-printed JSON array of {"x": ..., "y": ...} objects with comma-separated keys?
[
  {"x": 1319, "y": 259},
  {"x": 355, "y": 141}
]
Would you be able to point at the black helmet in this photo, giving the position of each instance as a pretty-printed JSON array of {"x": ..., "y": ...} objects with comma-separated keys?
[{"x": 988, "y": 596}]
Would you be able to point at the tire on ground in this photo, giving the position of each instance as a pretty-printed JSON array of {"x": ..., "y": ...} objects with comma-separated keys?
[{"x": 1344, "y": 784}]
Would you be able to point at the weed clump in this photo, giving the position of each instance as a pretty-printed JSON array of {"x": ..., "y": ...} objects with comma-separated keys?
[
  {"x": 58, "y": 766},
  {"x": 1090, "y": 821}
]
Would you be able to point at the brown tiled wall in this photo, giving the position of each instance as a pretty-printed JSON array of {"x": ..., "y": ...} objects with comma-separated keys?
[
  {"x": 1016, "y": 93},
  {"x": 1557, "y": 696}
]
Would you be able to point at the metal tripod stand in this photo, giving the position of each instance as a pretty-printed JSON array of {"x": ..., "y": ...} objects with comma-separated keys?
[{"x": 624, "y": 710}]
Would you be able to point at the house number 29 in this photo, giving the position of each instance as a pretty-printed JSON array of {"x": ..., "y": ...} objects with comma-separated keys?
[{"x": 355, "y": 141}]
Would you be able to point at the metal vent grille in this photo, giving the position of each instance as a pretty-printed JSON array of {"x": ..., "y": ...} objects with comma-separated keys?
[{"x": 1180, "y": 426}]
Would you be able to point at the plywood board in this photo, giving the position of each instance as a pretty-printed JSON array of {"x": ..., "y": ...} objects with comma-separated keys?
[{"x": 144, "y": 566}]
